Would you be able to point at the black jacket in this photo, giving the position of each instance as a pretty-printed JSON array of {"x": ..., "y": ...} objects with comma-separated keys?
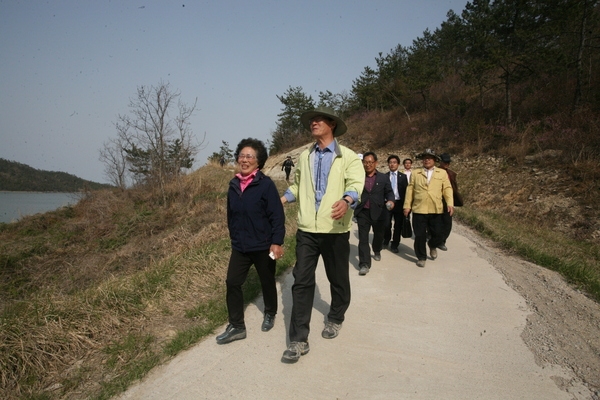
[
  {"x": 287, "y": 164},
  {"x": 255, "y": 217},
  {"x": 402, "y": 181},
  {"x": 378, "y": 196}
]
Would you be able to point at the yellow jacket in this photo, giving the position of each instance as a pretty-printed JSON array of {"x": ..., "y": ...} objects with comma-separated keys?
[{"x": 423, "y": 198}]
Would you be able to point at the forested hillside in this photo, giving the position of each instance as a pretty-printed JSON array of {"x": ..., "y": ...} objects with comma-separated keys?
[
  {"x": 15, "y": 176},
  {"x": 506, "y": 78}
]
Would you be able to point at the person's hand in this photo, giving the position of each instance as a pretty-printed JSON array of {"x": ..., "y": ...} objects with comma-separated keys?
[
  {"x": 283, "y": 200},
  {"x": 277, "y": 251},
  {"x": 339, "y": 209},
  {"x": 450, "y": 210},
  {"x": 406, "y": 212},
  {"x": 390, "y": 205}
]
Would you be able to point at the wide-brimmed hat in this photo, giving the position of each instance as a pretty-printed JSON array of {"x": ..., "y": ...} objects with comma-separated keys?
[
  {"x": 328, "y": 112},
  {"x": 445, "y": 157},
  {"x": 428, "y": 152}
]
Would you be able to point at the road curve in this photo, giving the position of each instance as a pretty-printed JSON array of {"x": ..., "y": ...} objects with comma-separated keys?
[{"x": 451, "y": 330}]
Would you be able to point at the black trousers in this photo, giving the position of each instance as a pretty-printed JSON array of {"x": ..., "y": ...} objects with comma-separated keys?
[
  {"x": 237, "y": 272},
  {"x": 335, "y": 250},
  {"x": 287, "y": 173},
  {"x": 446, "y": 224},
  {"x": 393, "y": 231},
  {"x": 423, "y": 223},
  {"x": 365, "y": 223}
]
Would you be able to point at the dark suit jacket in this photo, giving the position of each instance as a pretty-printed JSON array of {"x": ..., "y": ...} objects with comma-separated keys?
[
  {"x": 402, "y": 181},
  {"x": 378, "y": 196},
  {"x": 455, "y": 194}
]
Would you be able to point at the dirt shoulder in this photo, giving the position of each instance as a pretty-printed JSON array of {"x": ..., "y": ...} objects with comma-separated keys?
[{"x": 564, "y": 327}]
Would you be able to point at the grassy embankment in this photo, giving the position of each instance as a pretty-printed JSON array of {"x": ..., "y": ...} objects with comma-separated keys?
[
  {"x": 576, "y": 260},
  {"x": 96, "y": 295}
]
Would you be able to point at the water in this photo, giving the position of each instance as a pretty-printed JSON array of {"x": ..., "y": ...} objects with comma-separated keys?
[{"x": 14, "y": 205}]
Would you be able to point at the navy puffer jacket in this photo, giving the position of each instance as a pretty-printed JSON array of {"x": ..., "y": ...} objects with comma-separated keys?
[{"x": 255, "y": 217}]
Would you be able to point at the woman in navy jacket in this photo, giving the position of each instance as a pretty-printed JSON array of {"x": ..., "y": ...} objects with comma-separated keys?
[{"x": 256, "y": 224}]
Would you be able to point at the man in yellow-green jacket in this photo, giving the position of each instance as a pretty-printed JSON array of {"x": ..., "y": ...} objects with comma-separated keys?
[
  {"x": 328, "y": 181},
  {"x": 424, "y": 195}
]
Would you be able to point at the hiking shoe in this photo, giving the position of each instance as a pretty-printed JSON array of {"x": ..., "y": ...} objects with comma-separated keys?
[
  {"x": 433, "y": 253},
  {"x": 442, "y": 247},
  {"x": 231, "y": 333},
  {"x": 421, "y": 263},
  {"x": 294, "y": 351},
  {"x": 363, "y": 270},
  {"x": 268, "y": 323},
  {"x": 331, "y": 330},
  {"x": 377, "y": 257}
]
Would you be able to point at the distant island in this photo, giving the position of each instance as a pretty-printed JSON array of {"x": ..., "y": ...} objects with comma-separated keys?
[{"x": 16, "y": 177}]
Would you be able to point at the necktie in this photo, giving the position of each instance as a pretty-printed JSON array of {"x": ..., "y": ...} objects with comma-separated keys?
[
  {"x": 318, "y": 180},
  {"x": 395, "y": 185}
]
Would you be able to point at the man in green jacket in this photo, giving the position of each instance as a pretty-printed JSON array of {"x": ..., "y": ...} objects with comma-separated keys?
[{"x": 328, "y": 181}]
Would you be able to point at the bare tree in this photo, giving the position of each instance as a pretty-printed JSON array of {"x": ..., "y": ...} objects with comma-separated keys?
[
  {"x": 156, "y": 136},
  {"x": 113, "y": 156}
]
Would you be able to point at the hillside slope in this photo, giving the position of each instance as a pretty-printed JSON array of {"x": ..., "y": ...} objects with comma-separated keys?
[
  {"x": 15, "y": 176},
  {"x": 531, "y": 190}
]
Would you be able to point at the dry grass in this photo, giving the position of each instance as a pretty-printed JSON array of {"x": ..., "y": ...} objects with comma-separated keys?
[{"x": 93, "y": 295}]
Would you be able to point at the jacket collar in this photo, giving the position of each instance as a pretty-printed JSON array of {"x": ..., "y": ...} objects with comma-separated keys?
[{"x": 333, "y": 146}]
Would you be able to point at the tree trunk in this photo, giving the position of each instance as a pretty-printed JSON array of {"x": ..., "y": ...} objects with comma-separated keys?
[
  {"x": 578, "y": 61},
  {"x": 508, "y": 99}
]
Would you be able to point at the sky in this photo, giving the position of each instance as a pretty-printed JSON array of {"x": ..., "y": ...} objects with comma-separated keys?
[{"x": 69, "y": 68}]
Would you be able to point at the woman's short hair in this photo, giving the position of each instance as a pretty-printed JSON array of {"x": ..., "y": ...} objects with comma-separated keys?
[{"x": 256, "y": 145}]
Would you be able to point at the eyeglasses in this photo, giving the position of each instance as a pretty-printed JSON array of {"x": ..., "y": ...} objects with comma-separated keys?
[
  {"x": 319, "y": 118},
  {"x": 246, "y": 156}
]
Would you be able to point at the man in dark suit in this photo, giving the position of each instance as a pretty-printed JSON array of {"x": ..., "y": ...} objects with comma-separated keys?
[
  {"x": 376, "y": 196},
  {"x": 399, "y": 183},
  {"x": 445, "y": 160}
]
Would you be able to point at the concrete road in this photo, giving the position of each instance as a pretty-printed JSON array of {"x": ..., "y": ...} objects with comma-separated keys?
[{"x": 450, "y": 330}]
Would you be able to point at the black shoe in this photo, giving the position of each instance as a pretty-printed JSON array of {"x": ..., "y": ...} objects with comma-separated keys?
[
  {"x": 268, "y": 323},
  {"x": 394, "y": 249},
  {"x": 384, "y": 246},
  {"x": 442, "y": 247},
  {"x": 231, "y": 333},
  {"x": 377, "y": 257}
]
